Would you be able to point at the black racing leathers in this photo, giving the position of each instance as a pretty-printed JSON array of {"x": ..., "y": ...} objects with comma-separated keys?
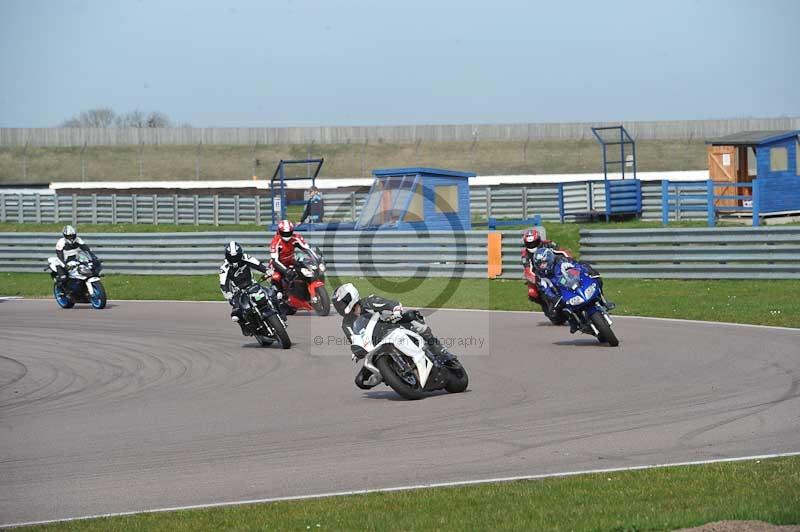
[{"x": 234, "y": 277}]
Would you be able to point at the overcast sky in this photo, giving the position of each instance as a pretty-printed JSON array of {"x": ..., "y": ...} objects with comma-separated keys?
[{"x": 328, "y": 62}]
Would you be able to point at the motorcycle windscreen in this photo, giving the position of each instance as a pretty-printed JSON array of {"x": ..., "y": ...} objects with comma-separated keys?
[{"x": 570, "y": 278}]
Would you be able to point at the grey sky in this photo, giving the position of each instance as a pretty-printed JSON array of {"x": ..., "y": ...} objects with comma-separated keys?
[{"x": 303, "y": 62}]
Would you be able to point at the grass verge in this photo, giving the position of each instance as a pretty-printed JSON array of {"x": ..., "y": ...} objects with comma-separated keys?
[
  {"x": 655, "y": 499},
  {"x": 756, "y": 302},
  {"x": 123, "y": 163}
]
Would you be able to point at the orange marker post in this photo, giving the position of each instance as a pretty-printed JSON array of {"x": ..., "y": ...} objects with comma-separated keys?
[{"x": 494, "y": 254}]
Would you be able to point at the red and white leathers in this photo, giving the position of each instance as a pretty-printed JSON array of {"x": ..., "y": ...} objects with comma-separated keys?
[{"x": 281, "y": 252}]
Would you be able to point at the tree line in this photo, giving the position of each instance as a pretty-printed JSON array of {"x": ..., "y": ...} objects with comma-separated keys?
[{"x": 105, "y": 117}]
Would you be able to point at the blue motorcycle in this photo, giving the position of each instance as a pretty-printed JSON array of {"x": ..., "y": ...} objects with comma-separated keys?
[{"x": 584, "y": 301}]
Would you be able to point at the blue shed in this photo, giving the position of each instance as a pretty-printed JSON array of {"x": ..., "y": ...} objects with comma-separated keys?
[
  {"x": 770, "y": 160},
  {"x": 417, "y": 198}
]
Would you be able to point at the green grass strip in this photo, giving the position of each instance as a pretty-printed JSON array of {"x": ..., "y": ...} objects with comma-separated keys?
[
  {"x": 654, "y": 499},
  {"x": 737, "y": 301}
]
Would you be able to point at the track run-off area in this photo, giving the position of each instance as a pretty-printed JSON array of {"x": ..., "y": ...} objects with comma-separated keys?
[{"x": 149, "y": 405}]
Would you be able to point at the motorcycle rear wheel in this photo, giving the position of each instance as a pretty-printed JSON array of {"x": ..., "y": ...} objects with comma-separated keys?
[
  {"x": 604, "y": 329},
  {"x": 559, "y": 319},
  {"x": 395, "y": 382},
  {"x": 63, "y": 299}
]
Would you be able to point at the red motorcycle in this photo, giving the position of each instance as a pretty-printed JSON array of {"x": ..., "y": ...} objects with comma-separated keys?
[
  {"x": 306, "y": 291},
  {"x": 533, "y": 286}
]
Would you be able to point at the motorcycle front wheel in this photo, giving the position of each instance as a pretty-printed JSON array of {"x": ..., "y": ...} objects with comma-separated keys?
[
  {"x": 323, "y": 304},
  {"x": 281, "y": 335},
  {"x": 459, "y": 380},
  {"x": 605, "y": 332},
  {"x": 98, "y": 299},
  {"x": 386, "y": 366}
]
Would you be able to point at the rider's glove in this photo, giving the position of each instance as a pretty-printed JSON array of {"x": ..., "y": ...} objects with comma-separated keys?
[
  {"x": 396, "y": 315},
  {"x": 227, "y": 295}
]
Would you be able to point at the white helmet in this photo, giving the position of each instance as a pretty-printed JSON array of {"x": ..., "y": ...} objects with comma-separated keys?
[
  {"x": 69, "y": 233},
  {"x": 345, "y": 298}
]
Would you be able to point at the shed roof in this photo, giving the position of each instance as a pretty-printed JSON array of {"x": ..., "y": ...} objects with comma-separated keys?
[
  {"x": 385, "y": 172},
  {"x": 751, "y": 138}
]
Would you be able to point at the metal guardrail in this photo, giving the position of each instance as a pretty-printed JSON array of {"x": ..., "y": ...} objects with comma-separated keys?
[
  {"x": 349, "y": 253},
  {"x": 157, "y": 208},
  {"x": 553, "y": 202},
  {"x": 695, "y": 253}
]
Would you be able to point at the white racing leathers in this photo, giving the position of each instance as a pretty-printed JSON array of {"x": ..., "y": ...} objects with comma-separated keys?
[{"x": 65, "y": 252}]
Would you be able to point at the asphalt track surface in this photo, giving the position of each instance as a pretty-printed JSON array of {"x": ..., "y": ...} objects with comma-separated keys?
[{"x": 153, "y": 405}]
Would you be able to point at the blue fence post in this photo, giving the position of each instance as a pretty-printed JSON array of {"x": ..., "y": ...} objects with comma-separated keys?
[
  {"x": 664, "y": 202},
  {"x": 561, "y": 202},
  {"x": 639, "y": 208},
  {"x": 756, "y": 202},
  {"x": 608, "y": 199},
  {"x": 710, "y": 200}
]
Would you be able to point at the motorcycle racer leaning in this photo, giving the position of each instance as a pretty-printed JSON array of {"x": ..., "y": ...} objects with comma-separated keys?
[
  {"x": 281, "y": 251},
  {"x": 532, "y": 241},
  {"x": 67, "y": 248},
  {"x": 351, "y": 307},
  {"x": 548, "y": 268},
  {"x": 236, "y": 274}
]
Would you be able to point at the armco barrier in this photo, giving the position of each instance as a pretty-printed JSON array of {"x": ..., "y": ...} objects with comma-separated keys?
[
  {"x": 694, "y": 253},
  {"x": 351, "y": 253}
]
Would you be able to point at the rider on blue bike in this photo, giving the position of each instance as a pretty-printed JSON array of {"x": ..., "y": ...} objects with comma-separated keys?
[{"x": 549, "y": 268}]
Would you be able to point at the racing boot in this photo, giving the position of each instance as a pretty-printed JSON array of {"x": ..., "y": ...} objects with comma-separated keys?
[
  {"x": 61, "y": 278},
  {"x": 365, "y": 379},
  {"x": 436, "y": 346},
  {"x": 235, "y": 318},
  {"x": 573, "y": 325}
]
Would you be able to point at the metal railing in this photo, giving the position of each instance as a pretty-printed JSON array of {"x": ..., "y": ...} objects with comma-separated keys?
[
  {"x": 349, "y": 253},
  {"x": 179, "y": 209},
  {"x": 742, "y": 202},
  {"x": 683, "y": 201},
  {"x": 695, "y": 253},
  {"x": 552, "y": 202}
]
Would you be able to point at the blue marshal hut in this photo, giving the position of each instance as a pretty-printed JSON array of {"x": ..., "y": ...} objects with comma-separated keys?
[
  {"x": 767, "y": 161},
  {"x": 417, "y": 198}
]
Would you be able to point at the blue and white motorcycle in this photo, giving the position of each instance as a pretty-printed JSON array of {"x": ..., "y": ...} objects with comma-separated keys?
[
  {"x": 584, "y": 301},
  {"x": 83, "y": 283}
]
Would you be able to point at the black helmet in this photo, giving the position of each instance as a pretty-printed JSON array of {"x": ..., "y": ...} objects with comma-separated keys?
[
  {"x": 345, "y": 298},
  {"x": 233, "y": 252},
  {"x": 69, "y": 233}
]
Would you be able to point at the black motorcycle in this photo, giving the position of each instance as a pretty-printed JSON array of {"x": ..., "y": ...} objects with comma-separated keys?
[
  {"x": 82, "y": 284},
  {"x": 259, "y": 306}
]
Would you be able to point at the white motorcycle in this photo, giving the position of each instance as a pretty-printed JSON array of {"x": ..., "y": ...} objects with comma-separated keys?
[{"x": 403, "y": 361}]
